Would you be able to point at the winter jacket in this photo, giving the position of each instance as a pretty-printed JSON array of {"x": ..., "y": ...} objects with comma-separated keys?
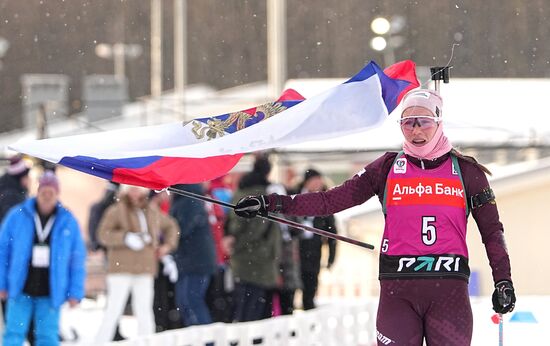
[
  {"x": 257, "y": 248},
  {"x": 67, "y": 256},
  {"x": 96, "y": 213},
  {"x": 310, "y": 248},
  {"x": 11, "y": 193},
  {"x": 122, "y": 218},
  {"x": 196, "y": 253}
]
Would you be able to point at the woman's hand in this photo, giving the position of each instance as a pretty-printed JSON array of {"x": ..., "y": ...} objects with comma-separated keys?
[{"x": 250, "y": 206}]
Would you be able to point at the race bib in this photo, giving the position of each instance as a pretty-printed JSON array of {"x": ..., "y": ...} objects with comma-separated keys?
[{"x": 41, "y": 256}]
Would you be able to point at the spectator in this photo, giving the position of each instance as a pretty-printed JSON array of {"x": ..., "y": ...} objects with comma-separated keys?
[
  {"x": 256, "y": 251},
  {"x": 219, "y": 295},
  {"x": 96, "y": 213},
  {"x": 42, "y": 264},
  {"x": 130, "y": 231},
  {"x": 289, "y": 266},
  {"x": 311, "y": 244},
  {"x": 195, "y": 256},
  {"x": 14, "y": 184},
  {"x": 164, "y": 301},
  {"x": 217, "y": 215}
]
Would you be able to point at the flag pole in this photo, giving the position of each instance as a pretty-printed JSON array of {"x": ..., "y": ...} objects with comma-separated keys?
[{"x": 275, "y": 219}]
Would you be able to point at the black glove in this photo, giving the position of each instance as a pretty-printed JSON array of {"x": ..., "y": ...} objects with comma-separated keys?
[
  {"x": 250, "y": 206},
  {"x": 504, "y": 297}
]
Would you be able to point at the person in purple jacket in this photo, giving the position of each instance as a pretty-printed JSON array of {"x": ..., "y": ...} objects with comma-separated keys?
[{"x": 427, "y": 192}]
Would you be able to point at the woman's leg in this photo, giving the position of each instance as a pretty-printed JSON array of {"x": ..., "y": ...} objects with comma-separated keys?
[
  {"x": 191, "y": 293},
  {"x": 309, "y": 290},
  {"x": 287, "y": 301},
  {"x": 398, "y": 322},
  {"x": 437, "y": 309},
  {"x": 142, "y": 303},
  {"x": 118, "y": 287},
  {"x": 449, "y": 320}
]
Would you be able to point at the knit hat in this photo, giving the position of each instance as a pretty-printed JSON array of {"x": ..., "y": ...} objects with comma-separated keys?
[
  {"x": 311, "y": 173},
  {"x": 18, "y": 167},
  {"x": 48, "y": 179},
  {"x": 425, "y": 98},
  {"x": 439, "y": 144}
]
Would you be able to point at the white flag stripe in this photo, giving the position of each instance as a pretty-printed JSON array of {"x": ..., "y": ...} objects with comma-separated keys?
[{"x": 345, "y": 109}]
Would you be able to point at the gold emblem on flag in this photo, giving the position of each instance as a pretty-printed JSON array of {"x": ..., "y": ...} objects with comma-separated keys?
[{"x": 216, "y": 128}]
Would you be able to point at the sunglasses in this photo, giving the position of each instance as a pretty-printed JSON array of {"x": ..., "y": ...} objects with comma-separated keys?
[{"x": 424, "y": 122}]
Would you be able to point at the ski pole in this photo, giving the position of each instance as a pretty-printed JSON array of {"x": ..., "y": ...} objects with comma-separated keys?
[
  {"x": 500, "y": 330},
  {"x": 275, "y": 219}
]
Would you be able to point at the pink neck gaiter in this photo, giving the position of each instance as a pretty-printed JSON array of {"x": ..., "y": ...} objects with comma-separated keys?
[{"x": 438, "y": 146}]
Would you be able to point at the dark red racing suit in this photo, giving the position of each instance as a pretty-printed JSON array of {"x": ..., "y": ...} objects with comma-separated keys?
[{"x": 424, "y": 293}]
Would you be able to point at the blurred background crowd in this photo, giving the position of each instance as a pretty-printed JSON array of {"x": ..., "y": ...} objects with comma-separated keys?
[{"x": 173, "y": 261}]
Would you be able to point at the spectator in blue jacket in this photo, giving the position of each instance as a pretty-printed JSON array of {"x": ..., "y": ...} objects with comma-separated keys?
[
  {"x": 42, "y": 258},
  {"x": 195, "y": 256}
]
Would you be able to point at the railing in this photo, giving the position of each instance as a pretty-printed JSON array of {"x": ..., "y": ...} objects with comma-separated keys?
[
  {"x": 346, "y": 323},
  {"x": 352, "y": 322}
]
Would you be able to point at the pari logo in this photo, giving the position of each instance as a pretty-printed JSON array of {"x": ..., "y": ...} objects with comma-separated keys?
[
  {"x": 426, "y": 263},
  {"x": 400, "y": 166}
]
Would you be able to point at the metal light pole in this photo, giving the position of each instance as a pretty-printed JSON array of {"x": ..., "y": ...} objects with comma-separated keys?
[
  {"x": 120, "y": 60},
  {"x": 180, "y": 54},
  {"x": 156, "y": 48},
  {"x": 276, "y": 46},
  {"x": 156, "y": 59}
]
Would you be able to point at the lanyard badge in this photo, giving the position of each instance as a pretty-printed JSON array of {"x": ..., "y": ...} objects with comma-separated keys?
[
  {"x": 41, "y": 256},
  {"x": 41, "y": 251}
]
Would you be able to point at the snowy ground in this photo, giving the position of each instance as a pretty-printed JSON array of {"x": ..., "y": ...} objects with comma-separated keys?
[{"x": 529, "y": 324}]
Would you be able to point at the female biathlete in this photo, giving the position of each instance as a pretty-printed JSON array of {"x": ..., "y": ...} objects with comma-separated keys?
[{"x": 427, "y": 192}]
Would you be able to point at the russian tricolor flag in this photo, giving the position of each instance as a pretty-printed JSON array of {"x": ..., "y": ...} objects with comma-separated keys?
[{"x": 203, "y": 149}]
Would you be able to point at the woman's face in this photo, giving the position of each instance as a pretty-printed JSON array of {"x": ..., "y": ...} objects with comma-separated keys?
[
  {"x": 418, "y": 125},
  {"x": 137, "y": 196}
]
